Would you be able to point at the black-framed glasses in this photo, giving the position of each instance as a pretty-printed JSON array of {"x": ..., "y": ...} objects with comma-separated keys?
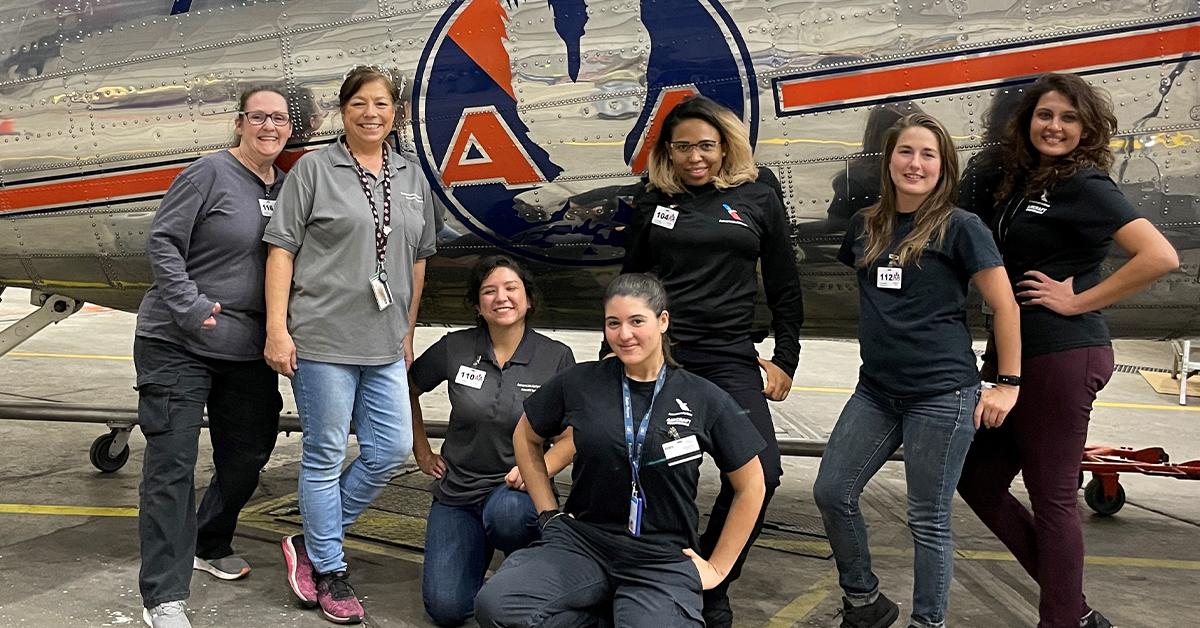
[
  {"x": 259, "y": 118},
  {"x": 686, "y": 148}
]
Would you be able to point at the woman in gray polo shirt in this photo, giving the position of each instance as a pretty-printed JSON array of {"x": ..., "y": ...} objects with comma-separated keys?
[
  {"x": 199, "y": 338},
  {"x": 479, "y": 500},
  {"x": 349, "y": 239}
]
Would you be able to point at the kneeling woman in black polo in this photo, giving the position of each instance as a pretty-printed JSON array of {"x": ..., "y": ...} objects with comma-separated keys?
[
  {"x": 479, "y": 503},
  {"x": 625, "y": 545}
]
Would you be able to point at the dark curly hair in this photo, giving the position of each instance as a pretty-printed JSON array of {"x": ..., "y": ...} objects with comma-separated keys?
[{"x": 1022, "y": 161}]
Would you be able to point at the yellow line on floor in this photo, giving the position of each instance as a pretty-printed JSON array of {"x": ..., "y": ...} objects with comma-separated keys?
[
  {"x": 71, "y": 356},
  {"x": 67, "y": 511},
  {"x": 1168, "y": 407},
  {"x": 804, "y": 604}
]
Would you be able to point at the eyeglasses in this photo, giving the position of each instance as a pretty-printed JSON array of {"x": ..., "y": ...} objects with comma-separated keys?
[
  {"x": 686, "y": 148},
  {"x": 259, "y": 118}
]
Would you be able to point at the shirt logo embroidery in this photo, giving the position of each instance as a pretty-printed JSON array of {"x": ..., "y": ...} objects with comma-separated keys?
[
  {"x": 1038, "y": 207},
  {"x": 683, "y": 417},
  {"x": 736, "y": 218},
  {"x": 528, "y": 388}
]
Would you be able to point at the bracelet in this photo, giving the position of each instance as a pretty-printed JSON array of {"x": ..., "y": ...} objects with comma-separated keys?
[
  {"x": 546, "y": 516},
  {"x": 1009, "y": 380}
]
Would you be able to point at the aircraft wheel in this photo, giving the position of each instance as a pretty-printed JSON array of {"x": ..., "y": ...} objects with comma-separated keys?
[
  {"x": 101, "y": 456},
  {"x": 1093, "y": 494}
]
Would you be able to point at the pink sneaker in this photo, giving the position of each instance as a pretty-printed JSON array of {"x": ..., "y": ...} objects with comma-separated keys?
[
  {"x": 299, "y": 570},
  {"x": 338, "y": 602}
]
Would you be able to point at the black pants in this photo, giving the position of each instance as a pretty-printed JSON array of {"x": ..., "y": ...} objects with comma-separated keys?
[
  {"x": 566, "y": 581},
  {"x": 243, "y": 402},
  {"x": 736, "y": 372}
]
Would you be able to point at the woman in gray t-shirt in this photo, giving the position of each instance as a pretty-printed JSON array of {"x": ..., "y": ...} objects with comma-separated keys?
[
  {"x": 346, "y": 265},
  {"x": 199, "y": 338}
]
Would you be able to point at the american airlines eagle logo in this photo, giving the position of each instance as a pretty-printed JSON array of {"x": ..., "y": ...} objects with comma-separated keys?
[{"x": 505, "y": 90}]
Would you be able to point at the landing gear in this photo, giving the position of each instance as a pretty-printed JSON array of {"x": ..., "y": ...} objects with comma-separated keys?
[{"x": 110, "y": 451}]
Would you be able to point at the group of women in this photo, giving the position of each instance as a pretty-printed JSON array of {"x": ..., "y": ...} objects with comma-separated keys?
[{"x": 330, "y": 301}]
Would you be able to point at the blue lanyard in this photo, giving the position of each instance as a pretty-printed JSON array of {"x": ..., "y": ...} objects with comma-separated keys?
[{"x": 634, "y": 446}]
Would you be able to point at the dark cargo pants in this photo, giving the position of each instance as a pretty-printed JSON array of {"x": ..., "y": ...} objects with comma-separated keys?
[{"x": 174, "y": 385}]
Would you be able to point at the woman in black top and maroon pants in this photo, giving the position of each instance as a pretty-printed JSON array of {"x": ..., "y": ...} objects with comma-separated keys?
[
  {"x": 702, "y": 224},
  {"x": 1057, "y": 214}
]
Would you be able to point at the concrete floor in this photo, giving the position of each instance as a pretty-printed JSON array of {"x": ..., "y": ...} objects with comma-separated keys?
[{"x": 68, "y": 534}]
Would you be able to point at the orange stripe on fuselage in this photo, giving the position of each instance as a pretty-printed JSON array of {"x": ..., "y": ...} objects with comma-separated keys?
[
  {"x": 73, "y": 191},
  {"x": 987, "y": 67}
]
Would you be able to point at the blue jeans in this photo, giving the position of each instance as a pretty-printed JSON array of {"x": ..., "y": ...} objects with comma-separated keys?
[
  {"x": 936, "y": 432},
  {"x": 329, "y": 397},
  {"x": 459, "y": 542}
]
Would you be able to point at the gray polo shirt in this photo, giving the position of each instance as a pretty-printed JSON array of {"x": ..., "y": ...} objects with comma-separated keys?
[
  {"x": 323, "y": 218},
  {"x": 205, "y": 247},
  {"x": 479, "y": 446}
]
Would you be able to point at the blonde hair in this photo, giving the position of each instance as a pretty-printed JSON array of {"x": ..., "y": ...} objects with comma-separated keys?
[
  {"x": 932, "y": 216},
  {"x": 737, "y": 164}
]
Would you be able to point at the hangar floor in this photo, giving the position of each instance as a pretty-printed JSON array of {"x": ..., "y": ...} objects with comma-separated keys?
[{"x": 68, "y": 534}]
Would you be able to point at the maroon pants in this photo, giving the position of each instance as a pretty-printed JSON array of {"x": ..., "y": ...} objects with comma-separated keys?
[{"x": 1043, "y": 438}]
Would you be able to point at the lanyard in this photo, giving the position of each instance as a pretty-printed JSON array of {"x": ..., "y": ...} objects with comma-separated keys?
[
  {"x": 634, "y": 445},
  {"x": 382, "y": 226}
]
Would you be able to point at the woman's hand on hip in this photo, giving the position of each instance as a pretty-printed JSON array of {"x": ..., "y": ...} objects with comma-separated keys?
[
  {"x": 710, "y": 576},
  {"x": 431, "y": 463},
  {"x": 778, "y": 383},
  {"x": 280, "y": 353},
  {"x": 994, "y": 405},
  {"x": 211, "y": 321},
  {"x": 1057, "y": 296}
]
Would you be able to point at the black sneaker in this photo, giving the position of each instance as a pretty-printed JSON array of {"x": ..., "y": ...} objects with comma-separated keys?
[
  {"x": 878, "y": 614},
  {"x": 1095, "y": 620}
]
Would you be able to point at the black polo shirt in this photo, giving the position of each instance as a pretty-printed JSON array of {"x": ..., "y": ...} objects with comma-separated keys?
[
  {"x": 1064, "y": 233},
  {"x": 478, "y": 448},
  {"x": 914, "y": 341},
  {"x": 588, "y": 398}
]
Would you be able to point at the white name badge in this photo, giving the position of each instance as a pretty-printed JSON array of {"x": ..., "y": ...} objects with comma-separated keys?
[
  {"x": 266, "y": 206},
  {"x": 470, "y": 377},
  {"x": 888, "y": 277},
  {"x": 682, "y": 450},
  {"x": 665, "y": 217}
]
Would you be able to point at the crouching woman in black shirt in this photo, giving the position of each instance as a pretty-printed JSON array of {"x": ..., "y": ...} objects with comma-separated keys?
[
  {"x": 913, "y": 253},
  {"x": 625, "y": 545}
]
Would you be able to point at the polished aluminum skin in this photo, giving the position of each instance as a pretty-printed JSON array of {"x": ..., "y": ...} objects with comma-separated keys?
[{"x": 98, "y": 98}]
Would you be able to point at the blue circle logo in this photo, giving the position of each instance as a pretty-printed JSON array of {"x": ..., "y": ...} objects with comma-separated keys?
[{"x": 538, "y": 118}]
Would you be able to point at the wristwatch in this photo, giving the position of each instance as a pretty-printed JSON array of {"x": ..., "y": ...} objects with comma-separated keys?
[
  {"x": 546, "y": 516},
  {"x": 1009, "y": 380}
]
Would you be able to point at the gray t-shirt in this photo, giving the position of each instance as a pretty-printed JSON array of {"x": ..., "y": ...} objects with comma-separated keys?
[
  {"x": 205, "y": 247},
  {"x": 323, "y": 218}
]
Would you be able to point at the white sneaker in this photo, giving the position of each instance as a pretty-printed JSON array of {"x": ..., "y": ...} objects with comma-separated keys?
[{"x": 167, "y": 615}]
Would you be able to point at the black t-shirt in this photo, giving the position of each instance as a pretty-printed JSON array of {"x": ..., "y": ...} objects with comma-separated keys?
[
  {"x": 708, "y": 258},
  {"x": 1065, "y": 233},
  {"x": 914, "y": 341},
  {"x": 588, "y": 398},
  {"x": 478, "y": 448}
]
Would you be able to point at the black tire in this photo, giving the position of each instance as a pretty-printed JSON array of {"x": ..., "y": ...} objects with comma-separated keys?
[
  {"x": 1093, "y": 494},
  {"x": 99, "y": 453}
]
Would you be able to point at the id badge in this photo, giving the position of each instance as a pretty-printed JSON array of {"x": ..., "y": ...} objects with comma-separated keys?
[
  {"x": 888, "y": 277},
  {"x": 682, "y": 450},
  {"x": 472, "y": 378},
  {"x": 383, "y": 294},
  {"x": 266, "y": 206},
  {"x": 637, "y": 505},
  {"x": 665, "y": 217}
]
